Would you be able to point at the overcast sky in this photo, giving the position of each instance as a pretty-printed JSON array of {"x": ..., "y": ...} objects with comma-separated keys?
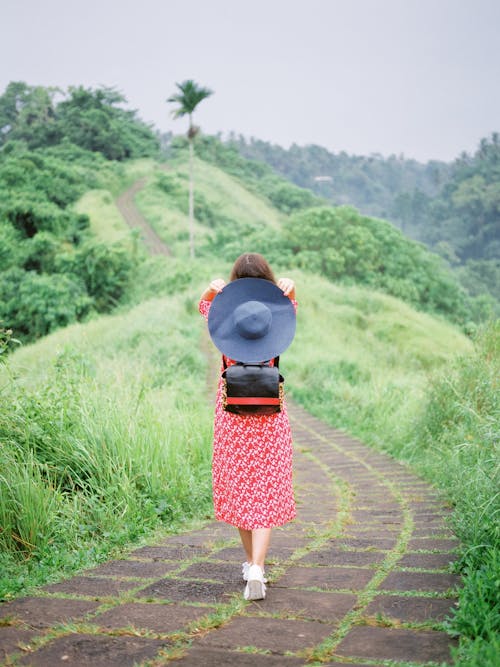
[{"x": 418, "y": 77}]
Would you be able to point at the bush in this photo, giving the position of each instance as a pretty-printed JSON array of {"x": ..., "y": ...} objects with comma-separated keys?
[
  {"x": 10, "y": 240},
  {"x": 342, "y": 245},
  {"x": 105, "y": 270},
  {"x": 33, "y": 305}
]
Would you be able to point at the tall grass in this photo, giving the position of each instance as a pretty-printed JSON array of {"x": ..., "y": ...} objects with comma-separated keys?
[
  {"x": 101, "y": 439},
  {"x": 457, "y": 444},
  {"x": 413, "y": 386}
]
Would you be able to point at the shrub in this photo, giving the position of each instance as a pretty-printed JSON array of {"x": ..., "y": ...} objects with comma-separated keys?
[
  {"x": 341, "y": 244},
  {"x": 33, "y": 305},
  {"x": 105, "y": 270}
]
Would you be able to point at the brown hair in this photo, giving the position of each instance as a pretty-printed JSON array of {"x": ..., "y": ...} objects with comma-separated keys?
[{"x": 252, "y": 265}]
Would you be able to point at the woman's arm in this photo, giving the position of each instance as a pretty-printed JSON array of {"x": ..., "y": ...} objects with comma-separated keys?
[
  {"x": 213, "y": 289},
  {"x": 288, "y": 287}
]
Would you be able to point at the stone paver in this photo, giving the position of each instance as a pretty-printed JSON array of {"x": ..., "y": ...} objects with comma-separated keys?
[
  {"x": 396, "y": 644},
  {"x": 87, "y": 650},
  {"x": 96, "y": 587},
  {"x": 432, "y": 544},
  {"x": 174, "y": 552},
  {"x": 133, "y": 568},
  {"x": 317, "y": 567},
  {"x": 184, "y": 590},
  {"x": 12, "y": 640},
  {"x": 213, "y": 657},
  {"x": 161, "y": 618},
  {"x": 419, "y": 581},
  {"x": 373, "y": 543},
  {"x": 411, "y": 609},
  {"x": 271, "y": 634},
  {"x": 312, "y": 605},
  {"x": 46, "y": 612},
  {"x": 427, "y": 561},
  {"x": 328, "y": 557},
  {"x": 330, "y": 578}
]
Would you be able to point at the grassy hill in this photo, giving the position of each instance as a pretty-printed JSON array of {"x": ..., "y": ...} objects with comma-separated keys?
[{"x": 103, "y": 441}]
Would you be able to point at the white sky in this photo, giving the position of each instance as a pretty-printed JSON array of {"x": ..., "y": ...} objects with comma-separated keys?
[{"x": 419, "y": 77}]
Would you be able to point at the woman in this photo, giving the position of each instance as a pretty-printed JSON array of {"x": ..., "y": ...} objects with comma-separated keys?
[{"x": 252, "y": 455}]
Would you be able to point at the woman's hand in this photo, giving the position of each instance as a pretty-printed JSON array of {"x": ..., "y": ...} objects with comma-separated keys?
[
  {"x": 288, "y": 287},
  {"x": 217, "y": 285},
  {"x": 213, "y": 289}
]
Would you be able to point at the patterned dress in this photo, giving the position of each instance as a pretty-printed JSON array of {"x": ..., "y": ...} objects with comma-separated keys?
[{"x": 251, "y": 465}]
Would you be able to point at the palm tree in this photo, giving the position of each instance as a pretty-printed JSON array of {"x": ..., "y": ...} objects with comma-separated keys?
[{"x": 188, "y": 98}]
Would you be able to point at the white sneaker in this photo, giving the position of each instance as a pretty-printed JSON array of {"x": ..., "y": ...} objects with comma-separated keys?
[
  {"x": 244, "y": 571},
  {"x": 255, "y": 588}
]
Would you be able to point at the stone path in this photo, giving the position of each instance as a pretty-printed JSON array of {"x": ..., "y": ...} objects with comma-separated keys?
[
  {"x": 134, "y": 219},
  {"x": 360, "y": 577}
]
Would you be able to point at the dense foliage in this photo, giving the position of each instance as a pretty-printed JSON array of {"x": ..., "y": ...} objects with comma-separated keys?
[
  {"x": 460, "y": 425},
  {"x": 345, "y": 246},
  {"x": 465, "y": 215},
  {"x": 368, "y": 183},
  {"x": 452, "y": 208},
  {"x": 91, "y": 119},
  {"x": 52, "y": 271}
]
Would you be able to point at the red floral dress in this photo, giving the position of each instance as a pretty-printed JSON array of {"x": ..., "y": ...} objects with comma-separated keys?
[{"x": 251, "y": 465}]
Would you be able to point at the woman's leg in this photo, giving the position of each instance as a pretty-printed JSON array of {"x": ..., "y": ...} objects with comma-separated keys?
[
  {"x": 246, "y": 540},
  {"x": 260, "y": 538}
]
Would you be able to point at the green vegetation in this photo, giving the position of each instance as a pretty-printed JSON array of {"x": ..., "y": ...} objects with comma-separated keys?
[
  {"x": 97, "y": 446},
  {"x": 53, "y": 270},
  {"x": 371, "y": 183},
  {"x": 91, "y": 119},
  {"x": 100, "y": 439},
  {"x": 344, "y": 246},
  {"x": 452, "y": 208}
]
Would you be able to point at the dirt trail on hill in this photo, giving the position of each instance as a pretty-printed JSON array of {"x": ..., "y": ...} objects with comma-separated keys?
[
  {"x": 134, "y": 219},
  {"x": 362, "y": 574}
]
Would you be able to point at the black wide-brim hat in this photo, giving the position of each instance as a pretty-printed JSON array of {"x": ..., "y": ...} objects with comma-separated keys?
[{"x": 251, "y": 320}]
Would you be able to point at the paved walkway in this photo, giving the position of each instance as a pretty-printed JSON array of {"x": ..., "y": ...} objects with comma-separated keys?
[
  {"x": 360, "y": 577},
  {"x": 135, "y": 220}
]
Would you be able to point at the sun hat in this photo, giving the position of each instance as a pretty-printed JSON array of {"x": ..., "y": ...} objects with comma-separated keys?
[{"x": 251, "y": 320}]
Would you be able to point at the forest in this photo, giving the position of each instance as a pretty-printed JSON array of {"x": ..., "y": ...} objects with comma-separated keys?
[
  {"x": 101, "y": 445},
  {"x": 454, "y": 209}
]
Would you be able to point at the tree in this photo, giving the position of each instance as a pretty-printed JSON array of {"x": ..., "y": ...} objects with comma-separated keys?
[
  {"x": 188, "y": 98},
  {"x": 27, "y": 113},
  {"x": 94, "y": 120}
]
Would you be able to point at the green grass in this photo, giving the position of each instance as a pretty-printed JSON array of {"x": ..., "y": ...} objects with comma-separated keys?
[
  {"x": 220, "y": 201},
  {"x": 228, "y": 195},
  {"x": 375, "y": 354},
  {"x": 106, "y": 222},
  {"x": 101, "y": 439}
]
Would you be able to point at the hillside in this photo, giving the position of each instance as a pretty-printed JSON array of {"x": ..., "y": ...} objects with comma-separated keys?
[
  {"x": 370, "y": 183},
  {"x": 105, "y": 422},
  {"x": 452, "y": 208}
]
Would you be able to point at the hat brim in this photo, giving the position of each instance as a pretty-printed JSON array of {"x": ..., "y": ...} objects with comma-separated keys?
[{"x": 223, "y": 331}]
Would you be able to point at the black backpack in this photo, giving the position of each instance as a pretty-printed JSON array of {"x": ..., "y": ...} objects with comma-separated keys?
[{"x": 252, "y": 389}]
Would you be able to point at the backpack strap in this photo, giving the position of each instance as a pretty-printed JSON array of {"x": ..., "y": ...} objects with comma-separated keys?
[{"x": 276, "y": 361}]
